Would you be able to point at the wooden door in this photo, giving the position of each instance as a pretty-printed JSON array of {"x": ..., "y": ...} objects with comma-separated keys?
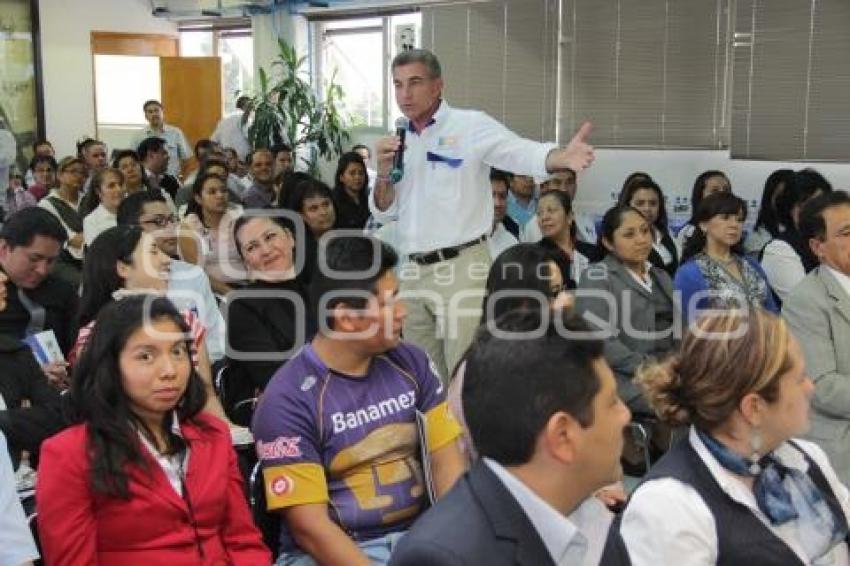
[{"x": 191, "y": 95}]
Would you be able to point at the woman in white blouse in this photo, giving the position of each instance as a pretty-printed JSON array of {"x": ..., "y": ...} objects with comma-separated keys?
[
  {"x": 102, "y": 201},
  {"x": 740, "y": 488}
]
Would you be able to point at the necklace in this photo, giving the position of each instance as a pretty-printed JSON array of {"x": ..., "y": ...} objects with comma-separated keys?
[{"x": 729, "y": 261}]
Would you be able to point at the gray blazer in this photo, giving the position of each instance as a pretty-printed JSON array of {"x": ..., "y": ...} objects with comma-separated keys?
[
  {"x": 629, "y": 346},
  {"x": 818, "y": 312}
]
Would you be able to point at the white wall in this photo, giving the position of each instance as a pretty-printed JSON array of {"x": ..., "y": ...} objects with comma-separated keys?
[{"x": 66, "y": 28}]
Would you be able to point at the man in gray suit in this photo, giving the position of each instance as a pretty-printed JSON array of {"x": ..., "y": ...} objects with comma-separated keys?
[{"x": 818, "y": 312}]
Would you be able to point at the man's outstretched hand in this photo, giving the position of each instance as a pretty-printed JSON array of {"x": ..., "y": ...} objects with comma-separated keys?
[{"x": 576, "y": 155}]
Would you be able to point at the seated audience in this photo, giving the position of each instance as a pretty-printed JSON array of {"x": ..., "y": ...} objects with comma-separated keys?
[
  {"x": 313, "y": 201},
  {"x": 43, "y": 169},
  {"x": 707, "y": 183},
  {"x": 94, "y": 154},
  {"x": 501, "y": 237},
  {"x": 787, "y": 258},
  {"x": 713, "y": 261},
  {"x": 64, "y": 203},
  {"x": 102, "y": 202},
  {"x": 641, "y": 325},
  {"x": 127, "y": 161},
  {"x": 563, "y": 181},
  {"x": 236, "y": 166},
  {"x": 524, "y": 276},
  {"x": 206, "y": 233},
  {"x": 739, "y": 488},
  {"x": 817, "y": 312},
  {"x": 522, "y": 200},
  {"x": 188, "y": 285},
  {"x": 501, "y": 181},
  {"x": 154, "y": 156},
  {"x": 768, "y": 226},
  {"x": 40, "y": 148},
  {"x": 37, "y": 300},
  {"x": 30, "y": 410},
  {"x": 263, "y": 191},
  {"x": 348, "y": 484},
  {"x": 272, "y": 317},
  {"x": 350, "y": 192},
  {"x": 555, "y": 217},
  {"x": 543, "y": 411},
  {"x": 215, "y": 164},
  {"x": 646, "y": 196},
  {"x": 17, "y": 196},
  {"x": 284, "y": 160},
  {"x": 16, "y": 543},
  {"x": 143, "y": 477}
]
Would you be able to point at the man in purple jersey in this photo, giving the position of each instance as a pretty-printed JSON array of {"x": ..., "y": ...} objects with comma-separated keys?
[{"x": 336, "y": 427}]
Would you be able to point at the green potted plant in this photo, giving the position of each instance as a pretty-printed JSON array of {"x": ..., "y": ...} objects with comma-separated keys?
[{"x": 287, "y": 110}]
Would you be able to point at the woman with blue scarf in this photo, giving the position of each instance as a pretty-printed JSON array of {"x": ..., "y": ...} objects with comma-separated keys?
[{"x": 739, "y": 489}]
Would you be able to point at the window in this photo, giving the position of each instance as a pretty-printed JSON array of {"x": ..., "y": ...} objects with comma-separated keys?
[
  {"x": 122, "y": 84},
  {"x": 355, "y": 53},
  {"x": 234, "y": 44}
]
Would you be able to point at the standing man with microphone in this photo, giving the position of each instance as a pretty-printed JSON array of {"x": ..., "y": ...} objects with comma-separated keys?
[{"x": 443, "y": 202}]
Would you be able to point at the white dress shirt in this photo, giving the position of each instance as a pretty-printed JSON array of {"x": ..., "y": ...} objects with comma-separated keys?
[
  {"x": 667, "y": 521},
  {"x": 189, "y": 288},
  {"x": 577, "y": 539},
  {"x": 783, "y": 267},
  {"x": 16, "y": 543},
  {"x": 230, "y": 132},
  {"x": 842, "y": 279},
  {"x": 500, "y": 240},
  {"x": 97, "y": 221},
  {"x": 439, "y": 205},
  {"x": 174, "y": 465}
]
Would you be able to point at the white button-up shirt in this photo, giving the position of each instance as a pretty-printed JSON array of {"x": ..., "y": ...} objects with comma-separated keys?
[
  {"x": 500, "y": 240},
  {"x": 174, "y": 465},
  {"x": 16, "y": 543},
  {"x": 189, "y": 288},
  {"x": 578, "y": 539},
  {"x": 444, "y": 199},
  {"x": 667, "y": 521}
]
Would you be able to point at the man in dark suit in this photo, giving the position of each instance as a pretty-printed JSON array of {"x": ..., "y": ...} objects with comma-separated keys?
[{"x": 543, "y": 412}]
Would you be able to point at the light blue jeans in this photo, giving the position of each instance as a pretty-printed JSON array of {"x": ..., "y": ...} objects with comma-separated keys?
[{"x": 378, "y": 550}]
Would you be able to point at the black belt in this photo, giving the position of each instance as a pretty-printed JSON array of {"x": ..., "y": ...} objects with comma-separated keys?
[{"x": 427, "y": 258}]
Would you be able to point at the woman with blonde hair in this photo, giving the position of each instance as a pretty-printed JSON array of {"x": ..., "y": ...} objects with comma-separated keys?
[{"x": 739, "y": 489}]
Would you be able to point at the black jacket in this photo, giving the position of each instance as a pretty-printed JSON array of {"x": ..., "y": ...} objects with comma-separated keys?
[
  {"x": 266, "y": 324},
  {"x": 60, "y": 302},
  {"x": 350, "y": 215},
  {"x": 21, "y": 378}
]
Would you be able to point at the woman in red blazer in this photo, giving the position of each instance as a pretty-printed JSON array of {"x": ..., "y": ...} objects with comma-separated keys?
[{"x": 144, "y": 477}]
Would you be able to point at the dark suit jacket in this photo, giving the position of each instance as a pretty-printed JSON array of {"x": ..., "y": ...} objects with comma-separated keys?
[{"x": 478, "y": 522}]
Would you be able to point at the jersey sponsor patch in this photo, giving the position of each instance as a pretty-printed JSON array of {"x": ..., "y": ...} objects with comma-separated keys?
[
  {"x": 280, "y": 447},
  {"x": 282, "y": 485},
  {"x": 343, "y": 421}
]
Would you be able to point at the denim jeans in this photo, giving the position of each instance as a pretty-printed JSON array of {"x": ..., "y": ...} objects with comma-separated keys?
[{"x": 378, "y": 550}]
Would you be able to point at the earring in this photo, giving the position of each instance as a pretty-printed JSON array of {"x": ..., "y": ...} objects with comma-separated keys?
[{"x": 755, "y": 446}]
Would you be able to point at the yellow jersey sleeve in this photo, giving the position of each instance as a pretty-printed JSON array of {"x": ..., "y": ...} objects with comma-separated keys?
[
  {"x": 294, "y": 484},
  {"x": 440, "y": 427}
]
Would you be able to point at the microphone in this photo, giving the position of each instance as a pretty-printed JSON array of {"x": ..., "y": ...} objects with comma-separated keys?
[{"x": 397, "y": 171}]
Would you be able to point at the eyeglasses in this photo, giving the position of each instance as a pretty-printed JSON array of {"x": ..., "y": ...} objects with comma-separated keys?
[{"x": 161, "y": 221}]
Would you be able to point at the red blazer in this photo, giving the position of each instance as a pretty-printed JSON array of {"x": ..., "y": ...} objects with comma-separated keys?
[{"x": 78, "y": 526}]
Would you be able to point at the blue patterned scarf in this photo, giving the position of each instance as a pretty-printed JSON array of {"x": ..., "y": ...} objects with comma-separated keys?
[{"x": 784, "y": 494}]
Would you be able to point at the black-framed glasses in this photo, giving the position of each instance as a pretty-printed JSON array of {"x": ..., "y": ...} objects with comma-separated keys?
[{"x": 161, "y": 221}]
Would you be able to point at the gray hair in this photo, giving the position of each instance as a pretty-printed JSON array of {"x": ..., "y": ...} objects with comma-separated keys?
[{"x": 419, "y": 56}]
